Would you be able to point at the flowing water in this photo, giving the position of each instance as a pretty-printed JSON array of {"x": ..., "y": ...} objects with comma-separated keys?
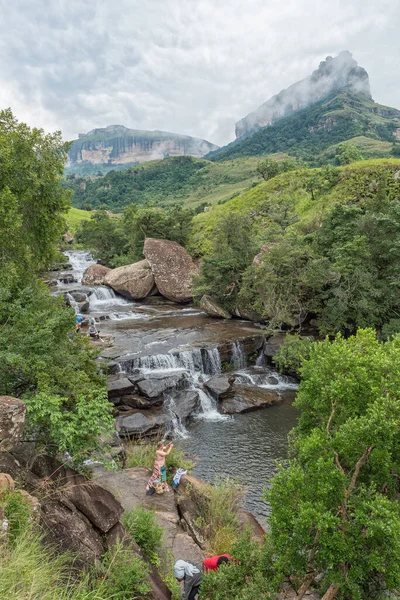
[{"x": 159, "y": 338}]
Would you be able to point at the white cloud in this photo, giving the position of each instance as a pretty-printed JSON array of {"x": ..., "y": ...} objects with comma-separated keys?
[{"x": 187, "y": 66}]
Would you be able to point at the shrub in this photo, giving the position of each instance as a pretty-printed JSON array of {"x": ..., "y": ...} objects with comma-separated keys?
[
  {"x": 17, "y": 513},
  {"x": 144, "y": 529},
  {"x": 126, "y": 575},
  {"x": 292, "y": 353}
]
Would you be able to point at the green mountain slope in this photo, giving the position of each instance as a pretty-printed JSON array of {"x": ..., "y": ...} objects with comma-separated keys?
[
  {"x": 309, "y": 132},
  {"x": 173, "y": 180}
]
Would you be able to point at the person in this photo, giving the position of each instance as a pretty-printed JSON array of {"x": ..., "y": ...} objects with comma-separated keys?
[
  {"x": 214, "y": 562},
  {"x": 93, "y": 333},
  {"x": 159, "y": 474},
  {"x": 78, "y": 323},
  {"x": 191, "y": 576}
]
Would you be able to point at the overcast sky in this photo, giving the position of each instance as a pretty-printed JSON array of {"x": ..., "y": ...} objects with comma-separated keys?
[{"x": 186, "y": 66}]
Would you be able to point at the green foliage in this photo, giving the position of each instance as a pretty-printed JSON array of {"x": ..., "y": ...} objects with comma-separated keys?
[
  {"x": 74, "y": 218},
  {"x": 292, "y": 353},
  {"x": 233, "y": 251},
  {"x": 347, "y": 153},
  {"x": 55, "y": 375},
  {"x": 270, "y": 168},
  {"x": 248, "y": 578},
  {"x": 126, "y": 575},
  {"x": 32, "y": 203},
  {"x": 335, "y": 514},
  {"x": 163, "y": 182},
  {"x": 146, "y": 532},
  {"x": 17, "y": 513}
]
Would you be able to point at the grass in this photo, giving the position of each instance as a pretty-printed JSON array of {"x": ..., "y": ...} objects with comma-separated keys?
[
  {"x": 146, "y": 532},
  {"x": 217, "y": 508},
  {"x": 75, "y": 216}
]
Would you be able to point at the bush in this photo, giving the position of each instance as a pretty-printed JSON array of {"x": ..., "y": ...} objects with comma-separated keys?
[
  {"x": 292, "y": 353},
  {"x": 144, "y": 529},
  {"x": 17, "y": 513},
  {"x": 126, "y": 575}
]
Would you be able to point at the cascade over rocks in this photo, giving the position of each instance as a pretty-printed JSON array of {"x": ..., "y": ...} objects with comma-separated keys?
[
  {"x": 172, "y": 267},
  {"x": 12, "y": 421},
  {"x": 212, "y": 308},
  {"x": 134, "y": 281},
  {"x": 94, "y": 275}
]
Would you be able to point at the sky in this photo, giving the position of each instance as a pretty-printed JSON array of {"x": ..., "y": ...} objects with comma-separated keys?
[{"x": 187, "y": 66}]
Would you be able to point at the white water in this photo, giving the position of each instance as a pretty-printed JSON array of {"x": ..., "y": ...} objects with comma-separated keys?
[
  {"x": 80, "y": 261},
  {"x": 238, "y": 359},
  {"x": 178, "y": 427},
  {"x": 262, "y": 378}
]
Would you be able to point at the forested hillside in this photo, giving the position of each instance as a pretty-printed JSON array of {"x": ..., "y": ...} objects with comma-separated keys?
[
  {"x": 162, "y": 182},
  {"x": 307, "y": 133}
]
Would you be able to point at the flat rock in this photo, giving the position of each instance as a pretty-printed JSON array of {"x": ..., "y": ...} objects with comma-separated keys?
[
  {"x": 212, "y": 308},
  {"x": 129, "y": 486},
  {"x": 12, "y": 421},
  {"x": 119, "y": 385},
  {"x": 249, "y": 397},
  {"x": 134, "y": 281},
  {"x": 141, "y": 423},
  {"x": 219, "y": 385},
  {"x": 94, "y": 275},
  {"x": 172, "y": 267}
]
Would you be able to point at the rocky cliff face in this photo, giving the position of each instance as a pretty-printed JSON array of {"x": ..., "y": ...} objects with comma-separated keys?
[
  {"x": 332, "y": 74},
  {"x": 116, "y": 145}
]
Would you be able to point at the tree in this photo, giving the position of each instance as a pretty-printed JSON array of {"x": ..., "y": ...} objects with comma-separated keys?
[
  {"x": 346, "y": 153},
  {"x": 32, "y": 202},
  {"x": 335, "y": 515},
  {"x": 103, "y": 235}
]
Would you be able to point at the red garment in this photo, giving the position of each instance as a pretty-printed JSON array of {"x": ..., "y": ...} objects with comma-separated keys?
[{"x": 211, "y": 564}]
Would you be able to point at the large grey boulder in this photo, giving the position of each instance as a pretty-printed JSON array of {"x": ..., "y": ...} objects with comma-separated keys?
[
  {"x": 172, "y": 267},
  {"x": 134, "y": 281},
  {"x": 249, "y": 397},
  {"x": 273, "y": 344},
  {"x": 158, "y": 383},
  {"x": 94, "y": 275},
  {"x": 220, "y": 385},
  {"x": 120, "y": 385},
  {"x": 12, "y": 421},
  {"x": 141, "y": 423},
  {"x": 212, "y": 308}
]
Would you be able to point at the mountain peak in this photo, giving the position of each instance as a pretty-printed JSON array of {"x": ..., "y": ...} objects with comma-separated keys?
[{"x": 332, "y": 74}]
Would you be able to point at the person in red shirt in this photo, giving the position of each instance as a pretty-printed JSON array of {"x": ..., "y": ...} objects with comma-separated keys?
[{"x": 212, "y": 563}]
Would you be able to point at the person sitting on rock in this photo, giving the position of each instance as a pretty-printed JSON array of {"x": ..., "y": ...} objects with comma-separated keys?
[
  {"x": 78, "y": 323},
  {"x": 159, "y": 474},
  {"x": 93, "y": 333},
  {"x": 214, "y": 562},
  {"x": 191, "y": 576}
]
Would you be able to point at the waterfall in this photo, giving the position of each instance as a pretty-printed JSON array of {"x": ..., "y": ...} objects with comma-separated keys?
[
  {"x": 265, "y": 378},
  {"x": 80, "y": 261},
  {"x": 178, "y": 427},
  {"x": 238, "y": 359},
  {"x": 209, "y": 411},
  {"x": 72, "y": 302}
]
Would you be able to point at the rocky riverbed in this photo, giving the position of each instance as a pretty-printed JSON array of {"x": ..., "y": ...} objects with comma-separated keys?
[{"x": 175, "y": 370}]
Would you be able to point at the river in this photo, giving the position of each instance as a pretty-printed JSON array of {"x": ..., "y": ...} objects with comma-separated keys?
[{"x": 158, "y": 338}]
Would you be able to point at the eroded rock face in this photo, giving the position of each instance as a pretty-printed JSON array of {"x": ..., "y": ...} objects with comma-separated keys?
[
  {"x": 12, "y": 421},
  {"x": 94, "y": 275},
  {"x": 134, "y": 281},
  {"x": 248, "y": 397},
  {"x": 172, "y": 267},
  {"x": 213, "y": 309}
]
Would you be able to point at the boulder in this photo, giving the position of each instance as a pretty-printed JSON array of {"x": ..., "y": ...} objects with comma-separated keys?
[
  {"x": 12, "y": 421},
  {"x": 78, "y": 296},
  {"x": 172, "y": 267},
  {"x": 68, "y": 530},
  {"x": 119, "y": 385},
  {"x": 272, "y": 345},
  {"x": 141, "y": 423},
  {"x": 220, "y": 385},
  {"x": 7, "y": 483},
  {"x": 94, "y": 275},
  {"x": 68, "y": 237},
  {"x": 158, "y": 383},
  {"x": 134, "y": 281},
  {"x": 67, "y": 278},
  {"x": 213, "y": 309},
  {"x": 249, "y": 397},
  {"x": 186, "y": 403},
  {"x": 189, "y": 515},
  {"x": 83, "y": 307},
  {"x": 98, "y": 505}
]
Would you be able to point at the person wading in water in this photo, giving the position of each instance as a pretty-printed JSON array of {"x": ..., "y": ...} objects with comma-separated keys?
[{"x": 159, "y": 469}]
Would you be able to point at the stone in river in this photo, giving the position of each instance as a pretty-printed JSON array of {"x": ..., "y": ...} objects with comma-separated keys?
[
  {"x": 119, "y": 385},
  {"x": 157, "y": 383},
  {"x": 134, "y": 281},
  {"x": 94, "y": 275},
  {"x": 249, "y": 397},
  {"x": 220, "y": 385},
  {"x": 172, "y": 267},
  {"x": 212, "y": 308}
]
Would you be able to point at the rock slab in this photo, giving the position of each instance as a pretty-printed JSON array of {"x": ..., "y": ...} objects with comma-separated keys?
[
  {"x": 249, "y": 397},
  {"x": 213, "y": 309},
  {"x": 134, "y": 281},
  {"x": 172, "y": 267}
]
